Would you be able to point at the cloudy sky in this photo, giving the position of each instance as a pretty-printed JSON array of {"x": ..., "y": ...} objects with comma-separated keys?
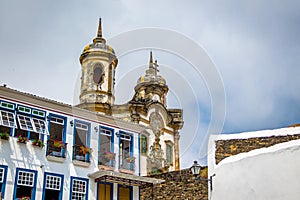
[{"x": 254, "y": 45}]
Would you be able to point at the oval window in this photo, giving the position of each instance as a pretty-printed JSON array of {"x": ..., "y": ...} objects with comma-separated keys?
[{"x": 97, "y": 74}]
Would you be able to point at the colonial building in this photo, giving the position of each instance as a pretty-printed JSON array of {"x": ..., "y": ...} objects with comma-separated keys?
[{"x": 93, "y": 150}]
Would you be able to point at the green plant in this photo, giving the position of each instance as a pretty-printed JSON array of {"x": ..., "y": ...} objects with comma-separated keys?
[
  {"x": 130, "y": 159},
  {"x": 38, "y": 142},
  {"x": 24, "y": 198},
  {"x": 4, "y": 136},
  {"x": 58, "y": 144},
  {"x": 22, "y": 139},
  {"x": 85, "y": 150}
]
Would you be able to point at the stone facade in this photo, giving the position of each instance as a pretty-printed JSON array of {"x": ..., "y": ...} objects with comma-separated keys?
[
  {"x": 226, "y": 148},
  {"x": 179, "y": 185}
]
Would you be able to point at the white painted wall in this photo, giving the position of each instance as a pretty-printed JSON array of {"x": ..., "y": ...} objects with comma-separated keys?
[{"x": 264, "y": 174}]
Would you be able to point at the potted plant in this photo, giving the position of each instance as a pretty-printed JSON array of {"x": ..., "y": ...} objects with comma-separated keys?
[
  {"x": 38, "y": 143},
  {"x": 22, "y": 139},
  {"x": 4, "y": 136},
  {"x": 130, "y": 159},
  {"x": 85, "y": 150},
  {"x": 109, "y": 155},
  {"x": 24, "y": 198},
  {"x": 58, "y": 144}
]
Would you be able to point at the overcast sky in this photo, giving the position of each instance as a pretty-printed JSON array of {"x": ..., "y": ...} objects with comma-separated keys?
[{"x": 254, "y": 44}]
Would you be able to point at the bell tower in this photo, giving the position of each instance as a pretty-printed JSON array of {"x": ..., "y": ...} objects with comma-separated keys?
[{"x": 98, "y": 64}]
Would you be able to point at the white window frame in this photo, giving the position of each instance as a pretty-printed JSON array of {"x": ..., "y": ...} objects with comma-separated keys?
[
  {"x": 28, "y": 178},
  {"x": 42, "y": 126},
  {"x": 57, "y": 120},
  {"x": 25, "y": 126},
  {"x": 11, "y": 122},
  {"x": 125, "y": 137},
  {"x": 35, "y": 123},
  {"x": 2, "y": 170},
  {"x": 76, "y": 191},
  {"x": 82, "y": 126},
  {"x": 105, "y": 132},
  {"x": 54, "y": 184}
]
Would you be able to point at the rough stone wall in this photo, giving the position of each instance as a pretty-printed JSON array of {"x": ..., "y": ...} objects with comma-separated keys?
[
  {"x": 226, "y": 148},
  {"x": 179, "y": 185}
]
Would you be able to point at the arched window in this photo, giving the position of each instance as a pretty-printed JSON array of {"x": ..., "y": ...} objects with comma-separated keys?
[{"x": 98, "y": 73}]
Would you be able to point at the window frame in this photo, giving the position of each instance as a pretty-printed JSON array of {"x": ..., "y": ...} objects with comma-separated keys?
[
  {"x": 124, "y": 136},
  {"x": 9, "y": 122},
  {"x": 33, "y": 191},
  {"x": 88, "y": 136},
  {"x": 79, "y": 179},
  {"x": 61, "y": 176},
  {"x": 170, "y": 144},
  {"x": 3, "y": 181},
  {"x": 144, "y": 136}
]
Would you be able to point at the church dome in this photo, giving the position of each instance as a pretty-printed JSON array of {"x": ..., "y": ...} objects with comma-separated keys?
[
  {"x": 98, "y": 46},
  {"x": 151, "y": 76}
]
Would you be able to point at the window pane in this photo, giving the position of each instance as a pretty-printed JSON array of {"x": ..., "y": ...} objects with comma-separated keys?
[
  {"x": 53, "y": 182},
  {"x": 25, "y": 123},
  {"x": 40, "y": 126},
  {"x": 7, "y": 119}
]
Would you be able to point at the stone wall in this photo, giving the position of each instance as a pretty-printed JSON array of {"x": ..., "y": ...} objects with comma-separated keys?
[
  {"x": 226, "y": 148},
  {"x": 179, "y": 185}
]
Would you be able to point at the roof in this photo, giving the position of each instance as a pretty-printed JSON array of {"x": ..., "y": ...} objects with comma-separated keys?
[{"x": 121, "y": 178}]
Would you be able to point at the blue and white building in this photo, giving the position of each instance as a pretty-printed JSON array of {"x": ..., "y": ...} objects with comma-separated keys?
[{"x": 93, "y": 150}]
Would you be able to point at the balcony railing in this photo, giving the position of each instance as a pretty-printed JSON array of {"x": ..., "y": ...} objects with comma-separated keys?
[
  {"x": 106, "y": 159},
  {"x": 127, "y": 164},
  {"x": 79, "y": 154},
  {"x": 56, "y": 148}
]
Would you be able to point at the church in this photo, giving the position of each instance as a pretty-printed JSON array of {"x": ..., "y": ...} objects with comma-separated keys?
[{"x": 96, "y": 149}]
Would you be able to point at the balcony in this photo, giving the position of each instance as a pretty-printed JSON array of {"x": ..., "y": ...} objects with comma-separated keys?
[
  {"x": 106, "y": 160},
  {"x": 81, "y": 155},
  {"x": 56, "y": 150},
  {"x": 127, "y": 165}
]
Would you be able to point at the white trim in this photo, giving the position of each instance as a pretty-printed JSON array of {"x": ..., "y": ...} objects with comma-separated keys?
[
  {"x": 125, "y": 137},
  {"x": 82, "y": 126},
  {"x": 57, "y": 120},
  {"x": 2, "y": 170},
  {"x": 53, "y": 182},
  {"x": 11, "y": 120},
  {"x": 40, "y": 126},
  {"x": 104, "y": 132},
  {"x": 25, "y": 178},
  {"x": 26, "y": 123}
]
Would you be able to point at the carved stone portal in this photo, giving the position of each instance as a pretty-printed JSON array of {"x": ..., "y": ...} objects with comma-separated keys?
[{"x": 156, "y": 163}]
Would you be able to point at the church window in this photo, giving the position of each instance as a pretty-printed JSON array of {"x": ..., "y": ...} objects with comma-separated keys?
[
  {"x": 169, "y": 152},
  {"x": 144, "y": 144},
  {"x": 97, "y": 75}
]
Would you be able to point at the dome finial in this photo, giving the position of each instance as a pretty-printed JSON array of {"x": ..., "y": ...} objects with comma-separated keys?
[
  {"x": 99, "y": 29},
  {"x": 151, "y": 59}
]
